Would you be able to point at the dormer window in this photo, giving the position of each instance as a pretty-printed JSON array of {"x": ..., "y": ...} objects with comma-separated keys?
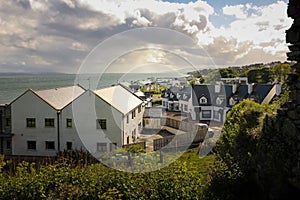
[
  {"x": 178, "y": 96},
  {"x": 184, "y": 96},
  {"x": 219, "y": 101},
  {"x": 232, "y": 102},
  {"x": 171, "y": 95},
  {"x": 203, "y": 100}
]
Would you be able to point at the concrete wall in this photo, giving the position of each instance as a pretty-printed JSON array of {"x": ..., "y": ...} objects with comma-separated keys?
[
  {"x": 133, "y": 128},
  {"x": 69, "y": 134},
  {"x": 86, "y": 110}
]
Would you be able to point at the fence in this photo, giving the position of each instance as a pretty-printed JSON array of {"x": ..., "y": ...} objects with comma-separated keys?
[{"x": 193, "y": 136}]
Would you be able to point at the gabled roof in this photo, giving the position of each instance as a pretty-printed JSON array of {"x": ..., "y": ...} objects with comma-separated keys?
[
  {"x": 260, "y": 91},
  {"x": 120, "y": 98},
  {"x": 199, "y": 91},
  {"x": 241, "y": 93},
  {"x": 59, "y": 98},
  {"x": 185, "y": 93},
  {"x": 228, "y": 93}
]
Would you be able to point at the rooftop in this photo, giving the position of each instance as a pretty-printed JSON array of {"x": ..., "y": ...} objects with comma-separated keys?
[
  {"x": 120, "y": 98},
  {"x": 60, "y": 97}
]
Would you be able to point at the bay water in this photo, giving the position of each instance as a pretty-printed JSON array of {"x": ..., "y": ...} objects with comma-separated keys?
[{"x": 13, "y": 85}]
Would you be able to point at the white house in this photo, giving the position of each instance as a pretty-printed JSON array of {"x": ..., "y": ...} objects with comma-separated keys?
[
  {"x": 5, "y": 130},
  {"x": 42, "y": 123},
  {"x": 108, "y": 118}
]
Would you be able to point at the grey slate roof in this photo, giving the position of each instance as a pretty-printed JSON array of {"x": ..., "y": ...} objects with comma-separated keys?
[
  {"x": 199, "y": 91},
  {"x": 260, "y": 91}
]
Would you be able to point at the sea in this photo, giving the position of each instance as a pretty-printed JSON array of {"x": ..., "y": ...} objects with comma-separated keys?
[{"x": 13, "y": 85}]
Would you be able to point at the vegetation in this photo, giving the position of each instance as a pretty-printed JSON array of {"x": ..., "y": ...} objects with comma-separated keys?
[
  {"x": 228, "y": 72},
  {"x": 257, "y": 73},
  {"x": 253, "y": 159},
  {"x": 154, "y": 89},
  {"x": 183, "y": 179}
]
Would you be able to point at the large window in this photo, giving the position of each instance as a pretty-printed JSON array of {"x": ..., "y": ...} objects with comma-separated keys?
[
  {"x": 101, "y": 123},
  {"x": 49, "y": 122},
  {"x": 102, "y": 147},
  {"x": 31, "y": 145},
  {"x": 69, "y": 123},
  {"x": 30, "y": 122},
  {"x": 50, "y": 145},
  {"x": 206, "y": 114}
]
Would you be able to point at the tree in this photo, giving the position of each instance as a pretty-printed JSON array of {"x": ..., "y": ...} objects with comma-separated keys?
[
  {"x": 228, "y": 73},
  {"x": 281, "y": 71},
  {"x": 255, "y": 157}
]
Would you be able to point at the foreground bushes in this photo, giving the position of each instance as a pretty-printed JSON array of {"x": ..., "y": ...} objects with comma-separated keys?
[
  {"x": 254, "y": 160},
  {"x": 184, "y": 179}
]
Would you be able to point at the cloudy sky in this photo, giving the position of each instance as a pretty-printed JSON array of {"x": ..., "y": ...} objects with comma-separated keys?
[{"x": 135, "y": 35}]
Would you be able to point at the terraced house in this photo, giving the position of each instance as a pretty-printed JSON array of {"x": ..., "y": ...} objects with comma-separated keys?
[{"x": 211, "y": 102}]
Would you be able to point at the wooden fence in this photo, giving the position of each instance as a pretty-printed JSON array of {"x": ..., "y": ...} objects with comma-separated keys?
[{"x": 193, "y": 136}]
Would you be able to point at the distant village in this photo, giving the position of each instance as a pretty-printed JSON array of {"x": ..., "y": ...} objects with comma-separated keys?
[{"x": 44, "y": 122}]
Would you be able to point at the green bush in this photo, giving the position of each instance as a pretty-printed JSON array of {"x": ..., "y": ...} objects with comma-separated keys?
[{"x": 183, "y": 179}]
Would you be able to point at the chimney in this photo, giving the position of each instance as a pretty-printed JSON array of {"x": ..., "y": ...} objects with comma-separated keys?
[
  {"x": 250, "y": 88},
  {"x": 278, "y": 89},
  {"x": 218, "y": 87},
  {"x": 234, "y": 88}
]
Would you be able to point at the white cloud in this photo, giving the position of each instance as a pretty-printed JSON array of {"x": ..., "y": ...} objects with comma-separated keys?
[
  {"x": 239, "y": 11},
  {"x": 62, "y": 32},
  {"x": 263, "y": 25}
]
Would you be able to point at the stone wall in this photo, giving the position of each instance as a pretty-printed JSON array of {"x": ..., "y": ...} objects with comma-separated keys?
[
  {"x": 292, "y": 109},
  {"x": 288, "y": 118}
]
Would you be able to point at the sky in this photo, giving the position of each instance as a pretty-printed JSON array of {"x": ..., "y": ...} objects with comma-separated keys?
[{"x": 76, "y": 36}]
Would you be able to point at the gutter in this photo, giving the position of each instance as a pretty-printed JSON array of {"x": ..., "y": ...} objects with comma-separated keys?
[{"x": 58, "y": 131}]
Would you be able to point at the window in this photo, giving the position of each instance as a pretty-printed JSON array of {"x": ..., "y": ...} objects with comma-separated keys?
[
  {"x": 30, "y": 122},
  {"x": 219, "y": 100},
  {"x": 8, "y": 122},
  {"x": 31, "y": 145},
  {"x": 49, "y": 122},
  {"x": 112, "y": 146},
  {"x": 101, "y": 147},
  {"x": 185, "y": 108},
  {"x": 232, "y": 101},
  {"x": 146, "y": 121},
  {"x": 127, "y": 119},
  {"x": 50, "y": 145},
  {"x": 206, "y": 114},
  {"x": 69, "y": 123},
  {"x": 8, "y": 144},
  {"x": 139, "y": 109},
  {"x": 101, "y": 124},
  {"x": 203, "y": 100},
  {"x": 69, "y": 145},
  {"x": 133, "y": 114}
]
